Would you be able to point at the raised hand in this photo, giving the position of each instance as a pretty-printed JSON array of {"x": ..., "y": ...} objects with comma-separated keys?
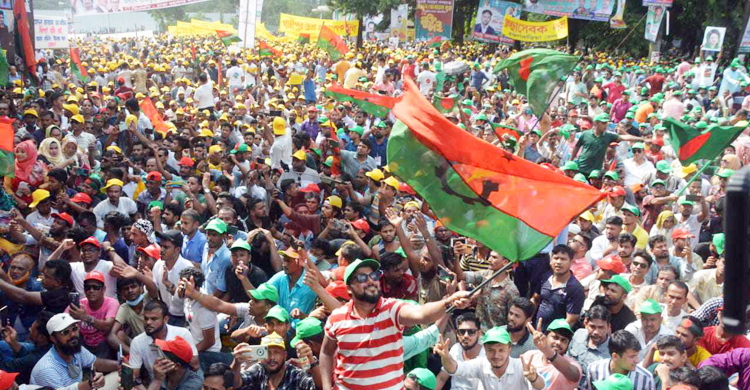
[
  {"x": 529, "y": 372},
  {"x": 393, "y": 217},
  {"x": 442, "y": 348},
  {"x": 540, "y": 339}
]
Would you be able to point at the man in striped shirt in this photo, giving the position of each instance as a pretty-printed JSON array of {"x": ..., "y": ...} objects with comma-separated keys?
[
  {"x": 624, "y": 349},
  {"x": 363, "y": 339}
]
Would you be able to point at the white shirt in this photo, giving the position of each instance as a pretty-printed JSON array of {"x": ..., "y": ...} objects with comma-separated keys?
[
  {"x": 281, "y": 151},
  {"x": 480, "y": 368},
  {"x": 671, "y": 323},
  {"x": 140, "y": 347},
  {"x": 200, "y": 318},
  {"x": 426, "y": 81},
  {"x": 234, "y": 74},
  {"x": 40, "y": 222},
  {"x": 84, "y": 140},
  {"x": 174, "y": 302},
  {"x": 458, "y": 383},
  {"x": 636, "y": 329},
  {"x": 78, "y": 273},
  {"x": 125, "y": 206},
  {"x": 635, "y": 173},
  {"x": 204, "y": 95},
  {"x": 691, "y": 224}
]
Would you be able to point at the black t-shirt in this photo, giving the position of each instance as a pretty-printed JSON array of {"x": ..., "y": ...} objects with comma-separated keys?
[
  {"x": 55, "y": 301},
  {"x": 236, "y": 291},
  {"x": 620, "y": 320}
]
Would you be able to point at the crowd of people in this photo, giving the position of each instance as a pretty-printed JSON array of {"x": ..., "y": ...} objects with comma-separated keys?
[{"x": 261, "y": 241}]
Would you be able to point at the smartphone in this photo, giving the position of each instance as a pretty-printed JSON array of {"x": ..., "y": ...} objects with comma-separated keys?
[
  {"x": 157, "y": 351},
  {"x": 461, "y": 240},
  {"x": 122, "y": 126},
  {"x": 75, "y": 299},
  {"x": 260, "y": 160},
  {"x": 126, "y": 377},
  {"x": 257, "y": 352},
  {"x": 693, "y": 198},
  {"x": 88, "y": 373},
  {"x": 444, "y": 275}
]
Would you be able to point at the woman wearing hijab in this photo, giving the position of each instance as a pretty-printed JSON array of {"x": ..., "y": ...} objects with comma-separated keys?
[
  {"x": 71, "y": 151},
  {"x": 54, "y": 131},
  {"x": 28, "y": 170},
  {"x": 51, "y": 150},
  {"x": 664, "y": 225}
]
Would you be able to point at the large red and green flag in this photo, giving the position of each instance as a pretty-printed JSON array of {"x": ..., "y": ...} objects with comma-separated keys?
[
  {"x": 265, "y": 50},
  {"x": 227, "y": 38},
  {"x": 149, "y": 109},
  {"x": 692, "y": 144},
  {"x": 4, "y": 69},
  {"x": 476, "y": 189},
  {"x": 445, "y": 104},
  {"x": 76, "y": 68},
  {"x": 435, "y": 42},
  {"x": 536, "y": 72},
  {"x": 501, "y": 130},
  {"x": 332, "y": 43},
  {"x": 370, "y": 103},
  {"x": 7, "y": 135},
  {"x": 24, "y": 44},
  {"x": 303, "y": 39}
]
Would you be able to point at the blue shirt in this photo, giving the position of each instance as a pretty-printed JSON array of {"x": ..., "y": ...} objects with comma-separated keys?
[
  {"x": 557, "y": 302},
  {"x": 215, "y": 268},
  {"x": 379, "y": 152},
  {"x": 192, "y": 249},
  {"x": 299, "y": 297},
  {"x": 309, "y": 85},
  {"x": 52, "y": 370}
]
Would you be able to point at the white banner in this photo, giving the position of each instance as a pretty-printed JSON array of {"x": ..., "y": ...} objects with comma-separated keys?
[
  {"x": 247, "y": 17},
  {"x": 50, "y": 32},
  {"x": 92, "y": 7}
]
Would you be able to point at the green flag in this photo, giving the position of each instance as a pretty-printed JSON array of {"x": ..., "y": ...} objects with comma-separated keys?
[
  {"x": 4, "y": 69},
  {"x": 227, "y": 38},
  {"x": 445, "y": 104},
  {"x": 701, "y": 142},
  {"x": 536, "y": 72}
]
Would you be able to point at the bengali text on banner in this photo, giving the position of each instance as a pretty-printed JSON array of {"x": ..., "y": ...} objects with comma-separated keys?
[
  {"x": 434, "y": 18},
  {"x": 294, "y": 25},
  {"x": 526, "y": 31}
]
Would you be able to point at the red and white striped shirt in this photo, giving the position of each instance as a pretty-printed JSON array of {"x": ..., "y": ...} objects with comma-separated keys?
[{"x": 370, "y": 350}]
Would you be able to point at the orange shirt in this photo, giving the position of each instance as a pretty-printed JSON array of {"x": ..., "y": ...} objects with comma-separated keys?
[
  {"x": 341, "y": 67},
  {"x": 643, "y": 111}
]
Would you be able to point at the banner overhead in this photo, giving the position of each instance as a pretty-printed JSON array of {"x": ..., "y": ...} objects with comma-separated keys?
[
  {"x": 526, "y": 31},
  {"x": 93, "y": 7},
  {"x": 598, "y": 10},
  {"x": 294, "y": 25},
  {"x": 434, "y": 18},
  {"x": 490, "y": 18},
  {"x": 50, "y": 32}
]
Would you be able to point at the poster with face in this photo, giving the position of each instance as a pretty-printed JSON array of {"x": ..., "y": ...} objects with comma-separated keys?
[
  {"x": 713, "y": 38},
  {"x": 490, "y": 18},
  {"x": 653, "y": 22}
]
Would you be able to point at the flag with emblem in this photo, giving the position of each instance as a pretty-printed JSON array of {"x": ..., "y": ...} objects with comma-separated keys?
[
  {"x": 536, "y": 72},
  {"x": 76, "y": 67},
  {"x": 476, "y": 189},
  {"x": 378, "y": 105},
  {"x": 265, "y": 50},
  {"x": 694, "y": 143},
  {"x": 445, "y": 104},
  {"x": 7, "y": 136},
  {"x": 332, "y": 43},
  {"x": 227, "y": 38}
]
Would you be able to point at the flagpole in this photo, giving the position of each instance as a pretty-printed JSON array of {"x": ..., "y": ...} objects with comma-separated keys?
[
  {"x": 697, "y": 174},
  {"x": 476, "y": 289}
]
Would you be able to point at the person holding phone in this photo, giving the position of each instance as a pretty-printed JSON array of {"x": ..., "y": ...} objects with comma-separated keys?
[
  {"x": 173, "y": 370},
  {"x": 273, "y": 369}
]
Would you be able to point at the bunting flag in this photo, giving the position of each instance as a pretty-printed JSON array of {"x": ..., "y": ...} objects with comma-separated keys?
[
  {"x": 7, "y": 136},
  {"x": 378, "y": 105},
  {"x": 331, "y": 43},
  {"x": 476, "y": 189},
  {"x": 227, "y": 38},
  {"x": 149, "y": 109},
  {"x": 303, "y": 39},
  {"x": 265, "y": 50},
  {"x": 445, "y": 104},
  {"x": 4, "y": 69},
  {"x": 536, "y": 72},
  {"x": 76, "y": 68},
  {"x": 24, "y": 44},
  {"x": 692, "y": 144}
]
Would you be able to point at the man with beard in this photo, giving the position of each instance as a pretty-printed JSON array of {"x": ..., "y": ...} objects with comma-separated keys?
[
  {"x": 47, "y": 242},
  {"x": 90, "y": 261},
  {"x": 97, "y": 314},
  {"x": 396, "y": 283},
  {"x": 591, "y": 343},
  {"x": 616, "y": 290},
  {"x": 496, "y": 296},
  {"x": 607, "y": 267},
  {"x": 115, "y": 202},
  {"x": 62, "y": 366},
  {"x": 649, "y": 328},
  {"x": 656, "y": 291},
  {"x": 193, "y": 241},
  {"x": 173, "y": 371},
  {"x": 681, "y": 248},
  {"x": 300, "y": 173},
  {"x": 625, "y": 248},
  {"x": 216, "y": 258},
  {"x": 22, "y": 316},
  {"x": 623, "y": 349},
  {"x": 549, "y": 360},
  {"x": 364, "y": 311},
  {"x": 520, "y": 312},
  {"x": 273, "y": 371},
  {"x": 56, "y": 283},
  {"x": 607, "y": 243},
  {"x": 662, "y": 257},
  {"x": 467, "y": 348},
  {"x": 241, "y": 275},
  {"x": 166, "y": 274},
  {"x": 155, "y": 316},
  {"x": 294, "y": 294},
  {"x": 202, "y": 322},
  {"x": 353, "y": 161}
]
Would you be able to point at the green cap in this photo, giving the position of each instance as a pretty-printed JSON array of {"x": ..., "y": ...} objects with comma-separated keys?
[
  {"x": 595, "y": 174},
  {"x": 560, "y": 324},
  {"x": 725, "y": 173},
  {"x": 638, "y": 145},
  {"x": 603, "y": 117},
  {"x": 496, "y": 335},
  {"x": 318, "y": 152},
  {"x": 279, "y": 313},
  {"x": 570, "y": 166},
  {"x": 156, "y": 203},
  {"x": 381, "y": 125},
  {"x": 614, "y": 382},
  {"x": 644, "y": 91},
  {"x": 612, "y": 175},
  {"x": 701, "y": 125},
  {"x": 537, "y": 132},
  {"x": 629, "y": 115},
  {"x": 241, "y": 244},
  {"x": 718, "y": 241},
  {"x": 466, "y": 111},
  {"x": 358, "y": 129},
  {"x": 620, "y": 281},
  {"x": 580, "y": 177},
  {"x": 308, "y": 327},
  {"x": 217, "y": 225},
  {"x": 374, "y": 264},
  {"x": 481, "y": 117},
  {"x": 631, "y": 209},
  {"x": 663, "y": 166},
  {"x": 687, "y": 202},
  {"x": 329, "y": 161},
  {"x": 266, "y": 291},
  {"x": 241, "y": 148},
  {"x": 657, "y": 182},
  {"x": 650, "y": 306},
  {"x": 322, "y": 119},
  {"x": 467, "y": 102},
  {"x": 424, "y": 377}
]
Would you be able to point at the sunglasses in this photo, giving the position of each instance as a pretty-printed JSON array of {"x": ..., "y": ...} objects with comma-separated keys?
[
  {"x": 94, "y": 287},
  {"x": 640, "y": 265},
  {"x": 362, "y": 278},
  {"x": 637, "y": 151},
  {"x": 467, "y": 332},
  {"x": 67, "y": 332}
]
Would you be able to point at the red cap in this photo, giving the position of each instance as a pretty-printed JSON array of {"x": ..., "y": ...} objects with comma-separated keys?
[
  {"x": 361, "y": 224},
  {"x": 403, "y": 187},
  {"x": 7, "y": 379},
  {"x": 657, "y": 141},
  {"x": 681, "y": 233},
  {"x": 583, "y": 124},
  {"x": 154, "y": 175},
  {"x": 65, "y": 217},
  {"x": 572, "y": 114},
  {"x": 312, "y": 109},
  {"x": 91, "y": 240},
  {"x": 81, "y": 197},
  {"x": 152, "y": 251},
  {"x": 338, "y": 290},
  {"x": 616, "y": 191},
  {"x": 178, "y": 347},
  {"x": 612, "y": 263},
  {"x": 94, "y": 275},
  {"x": 312, "y": 187},
  {"x": 186, "y": 161}
]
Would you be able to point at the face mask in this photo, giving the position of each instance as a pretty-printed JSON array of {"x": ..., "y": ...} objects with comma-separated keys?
[
  {"x": 137, "y": 301},
  {"x": 313, "y": 258}
]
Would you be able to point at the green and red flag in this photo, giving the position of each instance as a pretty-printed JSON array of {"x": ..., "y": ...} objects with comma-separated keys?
[
  {"x": 445, "y": 104},
  {"x": 501, "y": 130},
  {"x": 7, "y": 136},
  {"x": 227, "y": 38},
  {"x": 692, "y": 144},
  {"x": 476, "y": 189},
  {"x": 4, "y": 69},
  {"x": 76, "y": 68},
  {"x": 332, "y": 43},
  {"x": 434, "y": 42},
  {"x": 536, "y": 72},
  {"x": 24, "y": 44},
  {"x": 370, "y": 103},
  {"x": 303, "y": 39},
  {"x": 265, "y": 50},
  {"x": 149, "y": 109}
]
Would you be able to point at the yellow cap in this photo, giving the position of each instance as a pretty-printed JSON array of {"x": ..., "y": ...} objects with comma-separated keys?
[
  {"x": 393, "y": 182},
  {"x": 31, "y": 111},
  {"x": 115, "y": 148},
  {"x": 113, "y": 182},
  {"x": 273, "y": 340},
  {"x": 335, "y": 201},
  {"x": 38, "y": 196},
  {"x": 375, "y": 174},
  {"x": 206, "y": 133},
  {"x": 130, "y": 119},
  {"x": 300, "y": 155},
  {"x": 587, "y": 215},
  {"x": 78, "y": 118},
  {"x": 279, "y": 126},
  {"x": 72, "y": 108}
]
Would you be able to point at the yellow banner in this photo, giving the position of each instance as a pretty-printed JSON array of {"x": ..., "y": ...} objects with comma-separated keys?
[
  {"x": 199, "y": 27},
  {"x": 522, "y": 30},
  {"x": 293, "y": 26}
]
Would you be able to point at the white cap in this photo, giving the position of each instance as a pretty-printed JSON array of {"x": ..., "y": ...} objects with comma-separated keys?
[
  {"x": 574, "y": 229},
  {"x": 60, "y": 322}
]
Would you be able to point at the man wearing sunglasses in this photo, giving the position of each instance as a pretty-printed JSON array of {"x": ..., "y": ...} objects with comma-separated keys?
[
  {"x": 365, "y": 358},
  {"x": 467, "y": 348},
  {"x": 96, "y": 313},
  {"x": 63, "y": 365}
]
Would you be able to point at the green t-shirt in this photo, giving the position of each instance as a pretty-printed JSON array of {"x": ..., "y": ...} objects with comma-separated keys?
[{"x": 593, "y": 149}]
